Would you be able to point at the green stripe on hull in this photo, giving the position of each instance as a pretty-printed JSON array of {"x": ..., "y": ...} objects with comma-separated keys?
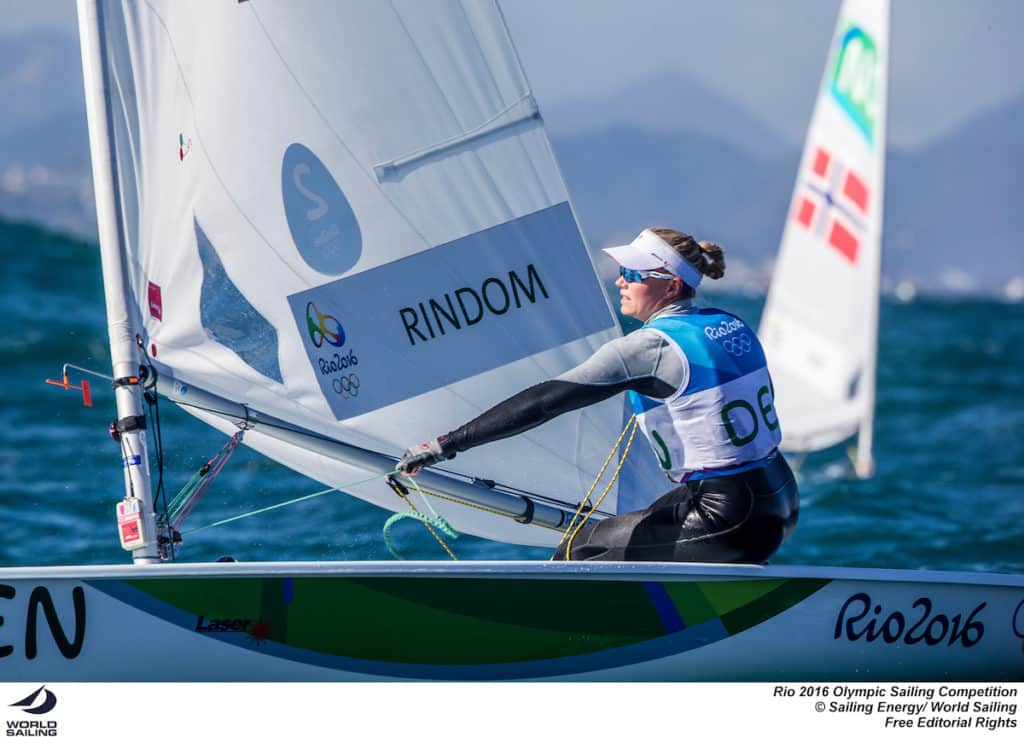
[
  {"x": 470, "y": 621},
  {"x": 691, "y": 603},
  {"x": 273, "y": 617},
  {"x": 772, "y": 603},
  {"x": 467, "y": 621},
  {"x": 727, "y": 596}
]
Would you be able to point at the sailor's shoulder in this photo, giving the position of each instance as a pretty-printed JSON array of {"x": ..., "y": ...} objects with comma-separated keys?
[{"x": 650, "y": 335}]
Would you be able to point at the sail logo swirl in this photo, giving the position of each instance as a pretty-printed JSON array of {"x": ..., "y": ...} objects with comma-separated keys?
[
  {"x": 322, "y": 223},
  {"x": 856, "y": 80},
  {"x": 323, "y": 328}
]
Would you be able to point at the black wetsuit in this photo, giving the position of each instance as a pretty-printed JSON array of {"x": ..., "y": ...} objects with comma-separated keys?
[{"x": 741, "y": 517}]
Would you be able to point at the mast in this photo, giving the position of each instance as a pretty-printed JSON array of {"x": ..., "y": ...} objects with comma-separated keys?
[
  {"x": 864, "y": 462},
  {"x": 136, "y": 516}
]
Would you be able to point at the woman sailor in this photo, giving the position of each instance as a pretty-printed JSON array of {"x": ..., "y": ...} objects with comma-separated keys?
[{"x": 700, "y": 388}]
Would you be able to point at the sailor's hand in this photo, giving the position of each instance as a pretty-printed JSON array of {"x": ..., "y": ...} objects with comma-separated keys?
[{"x": 422, "y": 455}]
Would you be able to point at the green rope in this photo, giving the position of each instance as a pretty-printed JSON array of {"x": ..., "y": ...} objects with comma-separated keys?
[
  {"x": 285, "y": 504},
  {"x": 438, "y": 522},
  {"x": 435, "y": 520}
]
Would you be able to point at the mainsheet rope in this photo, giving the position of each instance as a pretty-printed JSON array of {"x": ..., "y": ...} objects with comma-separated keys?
[
  {"x": 186, "y": 499},
  {"x": 434, "y": 522},
  {"x": 290, "y": 501},
  {"x": 570, "y": 532}
]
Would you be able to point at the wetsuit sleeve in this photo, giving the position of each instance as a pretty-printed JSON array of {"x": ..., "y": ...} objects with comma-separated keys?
[{"x": 642, "y": 361}]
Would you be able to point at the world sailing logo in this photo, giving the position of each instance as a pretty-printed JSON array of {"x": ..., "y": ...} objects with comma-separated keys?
[
  {"x": 856, "y": 78},
  {"x": 323, "y": 328},
  {"x": 29, "y": 705}
]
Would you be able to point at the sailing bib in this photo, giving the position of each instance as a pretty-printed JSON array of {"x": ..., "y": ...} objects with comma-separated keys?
[{"x": 723, "y": 413}]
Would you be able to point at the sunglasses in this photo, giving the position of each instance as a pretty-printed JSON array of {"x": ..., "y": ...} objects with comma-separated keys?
[{"x": 635, "y": 276}]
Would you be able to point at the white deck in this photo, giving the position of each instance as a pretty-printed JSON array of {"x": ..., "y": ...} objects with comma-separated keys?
[{"x": 506, "y": 569}]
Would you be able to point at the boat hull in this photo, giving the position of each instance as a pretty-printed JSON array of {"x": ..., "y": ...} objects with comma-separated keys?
[{"x": 501, "y": 621}]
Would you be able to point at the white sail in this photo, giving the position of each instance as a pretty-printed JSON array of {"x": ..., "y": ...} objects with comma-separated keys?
[
  {"x": 348, "y": 216},
  {"x": 819, "y": 327}
]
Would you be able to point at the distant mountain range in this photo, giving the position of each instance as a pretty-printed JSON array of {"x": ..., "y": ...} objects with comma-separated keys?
[
  {"x": 670, "y": 103},
  {"x": 953, "y": 214},
  {"x": 954, "y": 219}
]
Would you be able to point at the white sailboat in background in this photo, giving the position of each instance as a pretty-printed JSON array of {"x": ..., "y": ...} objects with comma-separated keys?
[
  {"x": 820, "y": 321},
  {"x": 341, "y": 230}
]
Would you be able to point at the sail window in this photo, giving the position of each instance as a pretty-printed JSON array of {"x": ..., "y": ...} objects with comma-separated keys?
[{"x": 230, "y": 319}]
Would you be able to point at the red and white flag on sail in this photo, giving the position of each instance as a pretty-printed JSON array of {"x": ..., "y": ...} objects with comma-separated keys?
[{"x": 831, "y": 202}]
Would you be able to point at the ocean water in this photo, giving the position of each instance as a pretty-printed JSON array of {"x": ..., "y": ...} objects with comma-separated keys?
[{"x": 948, "y": 493}]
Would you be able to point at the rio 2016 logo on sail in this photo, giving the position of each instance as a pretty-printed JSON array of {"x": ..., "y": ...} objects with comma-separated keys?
[
  {"x": 346, "y": 386},
  {"x": 324, "y": 328},
  {"x": 856, "y": 79}
]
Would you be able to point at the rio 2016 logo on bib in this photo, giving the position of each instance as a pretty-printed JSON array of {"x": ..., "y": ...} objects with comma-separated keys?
[
  {"x": 856, "y": 79},
  {"x": 321, "y": 221}
]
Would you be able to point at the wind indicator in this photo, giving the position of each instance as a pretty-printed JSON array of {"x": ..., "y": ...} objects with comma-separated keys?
[{"x": 83, "y": 387}]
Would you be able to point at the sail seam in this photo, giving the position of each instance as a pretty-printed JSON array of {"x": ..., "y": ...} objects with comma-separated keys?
[
  {"x": 370, "y": 174},
  {"x": 359, "y": 165},
  {"x": 495, "y": 190},
  {"x": 206, "y": 156},
  {"x": 538, "y": 180},
  {"x": 524, "y": 80}
]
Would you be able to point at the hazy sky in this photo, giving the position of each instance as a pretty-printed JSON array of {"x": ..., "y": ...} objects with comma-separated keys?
[{"x": 951, "y": 58}]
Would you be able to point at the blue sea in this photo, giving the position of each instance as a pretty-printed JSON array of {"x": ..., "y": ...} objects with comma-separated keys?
[{"x": 948, "y": 493}]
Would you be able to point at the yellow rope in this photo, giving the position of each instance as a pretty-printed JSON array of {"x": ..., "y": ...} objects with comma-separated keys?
[
  {"x": 570, "y": 533},
  {"x": 625, "y": 452}
]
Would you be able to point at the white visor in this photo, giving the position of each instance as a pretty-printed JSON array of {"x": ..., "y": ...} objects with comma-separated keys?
[{"x": 648, "y": 252}]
